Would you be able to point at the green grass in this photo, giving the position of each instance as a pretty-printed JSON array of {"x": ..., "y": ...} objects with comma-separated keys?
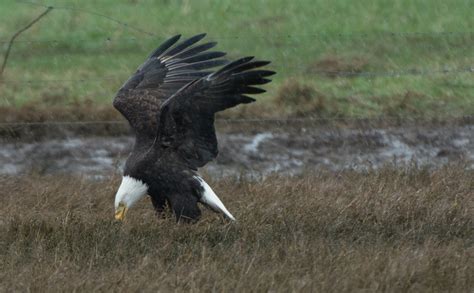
[{"x": 296, "y": 36}]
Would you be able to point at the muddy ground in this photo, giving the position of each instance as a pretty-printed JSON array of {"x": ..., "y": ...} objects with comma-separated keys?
[{"x": 290, "y": 151}]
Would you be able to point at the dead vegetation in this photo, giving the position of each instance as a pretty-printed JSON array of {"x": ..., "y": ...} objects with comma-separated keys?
[
  {"x": 402, "y": 105},
  {"x": 299, "y": 99},
  {"x": 333, "y": 66},
  {"x": 49, "y": 118},
  {"x": 391, "y": 230},
  {"x": 52, "y": 108}
]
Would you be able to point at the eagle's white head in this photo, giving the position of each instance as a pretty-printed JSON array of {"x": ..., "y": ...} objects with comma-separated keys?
[{"x": 129, "y": 192}]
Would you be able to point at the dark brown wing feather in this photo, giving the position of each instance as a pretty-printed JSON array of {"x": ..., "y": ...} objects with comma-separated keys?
[
  {"x": 186, "y": 123},
  {"x": 168, "y": 68}
]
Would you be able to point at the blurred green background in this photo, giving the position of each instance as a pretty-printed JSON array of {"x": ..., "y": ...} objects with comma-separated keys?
[{"x": 390, "y": 55}]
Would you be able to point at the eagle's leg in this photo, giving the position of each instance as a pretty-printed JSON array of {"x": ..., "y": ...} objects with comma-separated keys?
[
  {"x": 185, "y": 207},
  {"x": 159, "y": 203}
]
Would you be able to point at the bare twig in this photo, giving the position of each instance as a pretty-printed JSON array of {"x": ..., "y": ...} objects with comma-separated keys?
[
  {"x": 10, "y": 44},
  {"x": 124, "y": 24}
]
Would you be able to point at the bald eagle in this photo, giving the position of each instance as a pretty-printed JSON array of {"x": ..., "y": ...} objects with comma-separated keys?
[{"x": 170, "y": 103}]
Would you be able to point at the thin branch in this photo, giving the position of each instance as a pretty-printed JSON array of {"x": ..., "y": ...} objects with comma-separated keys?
[
  {"x": 124, "y": 24},
  {"x": 10, "y": 44}
]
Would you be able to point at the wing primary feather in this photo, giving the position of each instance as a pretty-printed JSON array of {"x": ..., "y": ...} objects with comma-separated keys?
[
  {"x": 249, "y": 66},
  {"x": 190, "y": 73},
  {"x": 246, "y": 99},
  {"x": 184, "y": 44},
  {"x": 150, "y": 64},
  {"x": 197, "y": 58},
  {"x": 199, "y": 65},
  {"x": 165, "y": 46},
  {"x": 237, "y": 89},
  {"x": 232, "y": 65},
  {"x": 252, "y": 90},
  {"x": 179, "y": 78},
  {"x": 195, "y": 50},
  {"x": 252, "y": 76}
]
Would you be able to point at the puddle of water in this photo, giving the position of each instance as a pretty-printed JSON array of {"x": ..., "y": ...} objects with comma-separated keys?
[
  {"x": 256, "y": 141},
  {"x": 263, "y": 153}
]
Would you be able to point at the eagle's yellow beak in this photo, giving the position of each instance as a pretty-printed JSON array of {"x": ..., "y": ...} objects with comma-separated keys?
[{"x": 120, "y": 211}]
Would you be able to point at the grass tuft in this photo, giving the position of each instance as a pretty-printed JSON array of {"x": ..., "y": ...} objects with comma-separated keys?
[
  {"x": 335, "y": 66},
  {"x": 300, "y": 99}
]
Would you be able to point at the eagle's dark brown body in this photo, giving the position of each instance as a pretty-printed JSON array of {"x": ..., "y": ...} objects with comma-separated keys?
[{"x": 170, "y": 103}]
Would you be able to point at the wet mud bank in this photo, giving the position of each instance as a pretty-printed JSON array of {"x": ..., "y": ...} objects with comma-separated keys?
[{"x": 288, "y": 151}]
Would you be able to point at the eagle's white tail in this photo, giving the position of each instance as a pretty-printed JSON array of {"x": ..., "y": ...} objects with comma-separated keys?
[{"x": 210, "y": 199}]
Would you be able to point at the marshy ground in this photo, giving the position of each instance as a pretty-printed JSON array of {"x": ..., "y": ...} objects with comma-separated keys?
[{"x": 289, "y": 150}]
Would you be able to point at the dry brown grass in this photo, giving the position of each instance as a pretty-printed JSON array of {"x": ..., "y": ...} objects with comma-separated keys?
[
  {"x": 53, "y": 108},
  {"x": 298, "y": 99},
  {"x": 334, "y": 66},
  {"x": 33, "y": 119},
  {"x": 390, "y": 230}
]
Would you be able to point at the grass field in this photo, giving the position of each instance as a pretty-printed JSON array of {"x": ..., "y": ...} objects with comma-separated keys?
[
  {"x": 302, "y": 38},
  {"x": 392, "y": 230}
]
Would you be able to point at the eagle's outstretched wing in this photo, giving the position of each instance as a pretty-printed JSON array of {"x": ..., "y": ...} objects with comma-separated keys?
[
  {"x": 186, "y": 121},
  {"x": 171, "y": 66}
]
